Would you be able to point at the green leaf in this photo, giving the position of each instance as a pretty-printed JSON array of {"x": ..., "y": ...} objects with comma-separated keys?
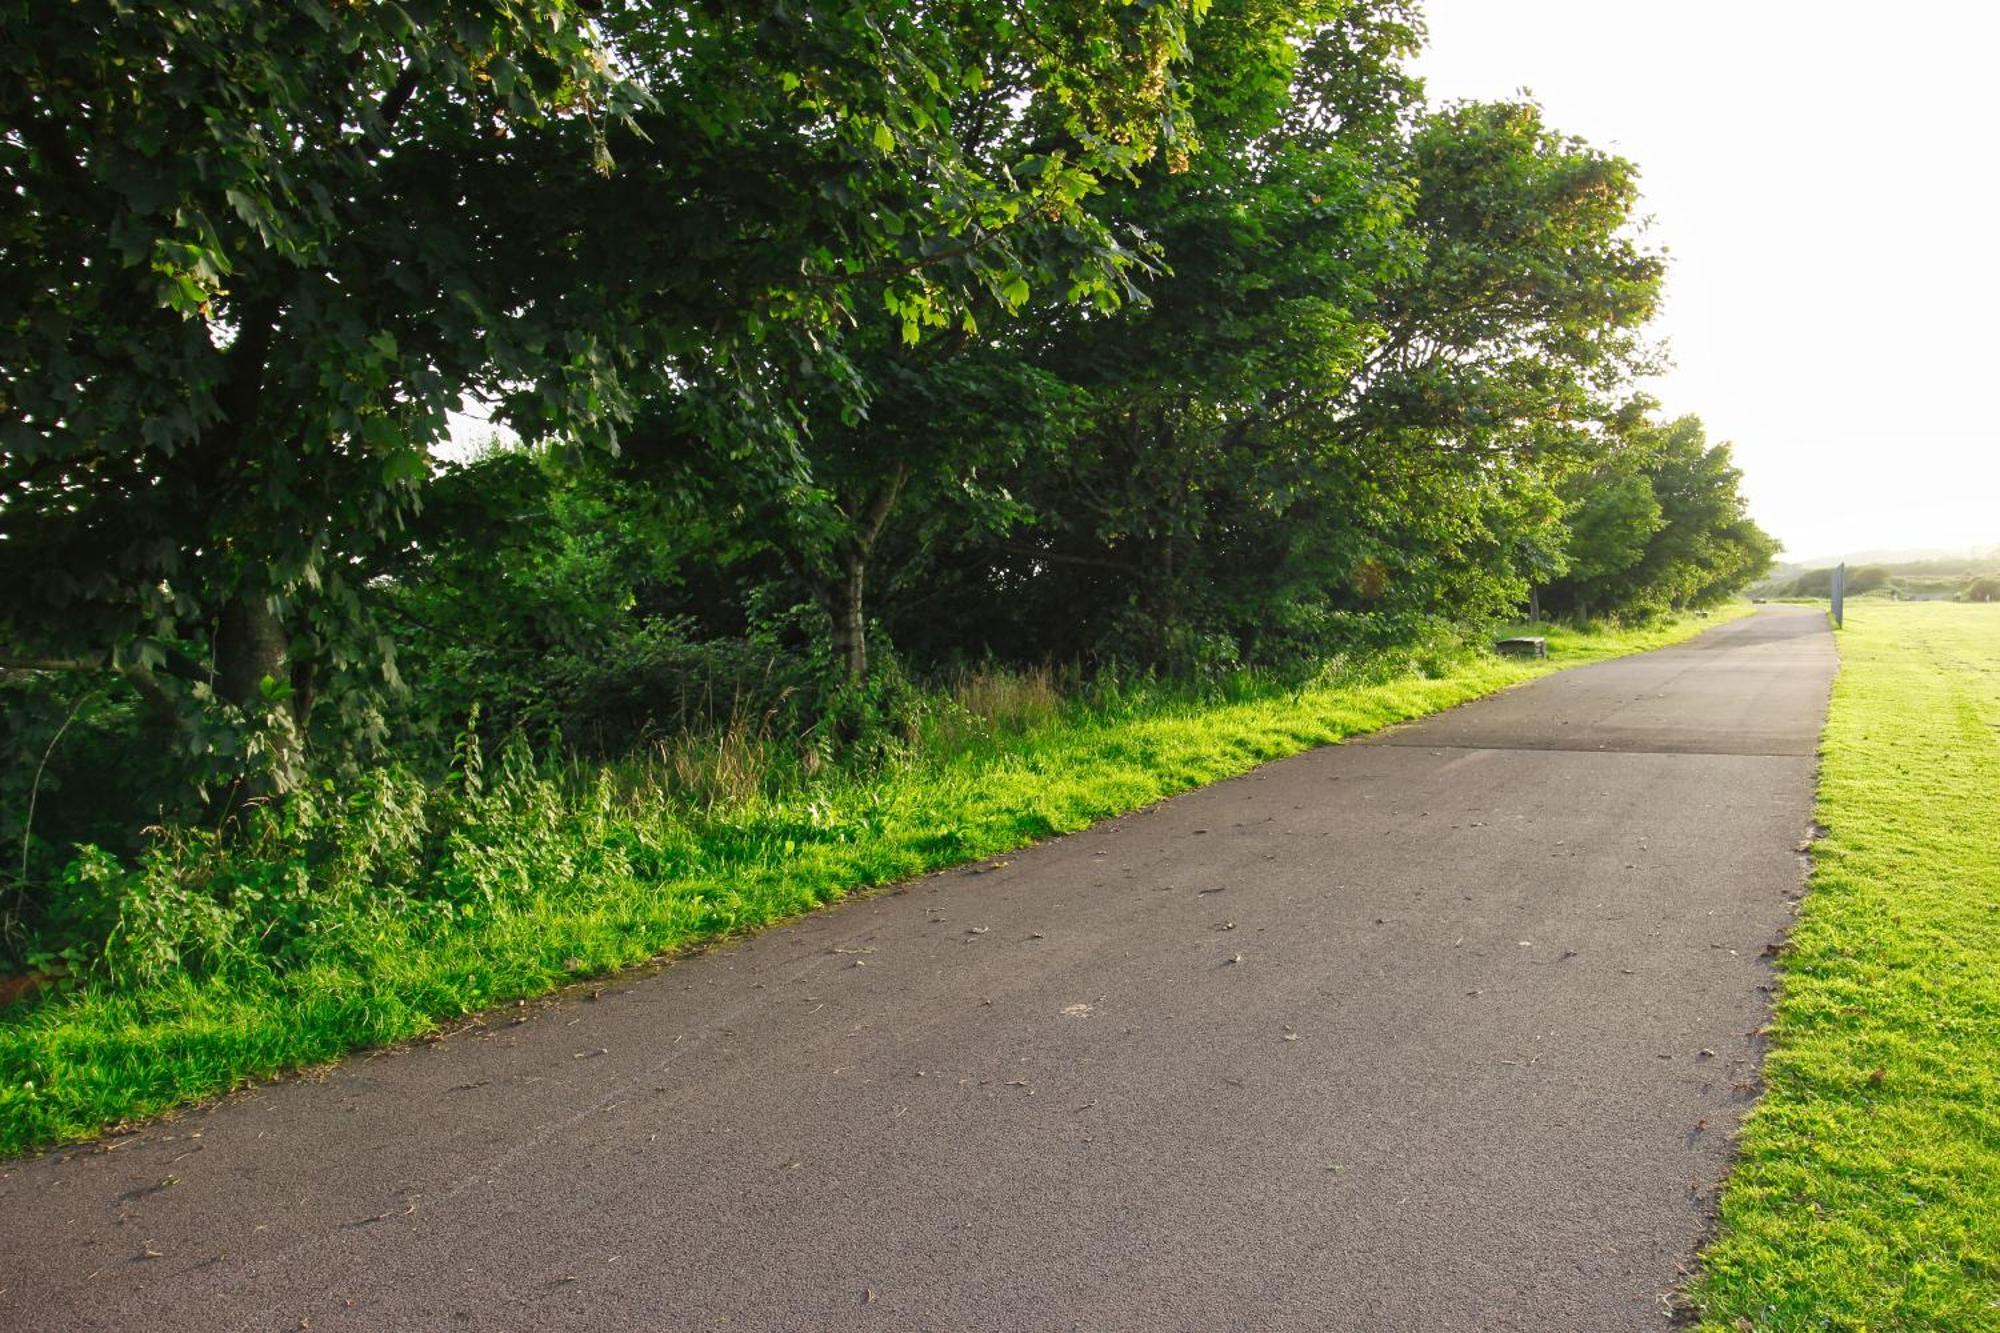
[{"x": 405, "y": 467}]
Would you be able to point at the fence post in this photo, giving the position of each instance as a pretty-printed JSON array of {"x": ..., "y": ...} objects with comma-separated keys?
[{"x": 1839, "y": 595}]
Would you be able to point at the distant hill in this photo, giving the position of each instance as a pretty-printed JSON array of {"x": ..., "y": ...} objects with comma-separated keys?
[{"x": 1917, "y": 575}]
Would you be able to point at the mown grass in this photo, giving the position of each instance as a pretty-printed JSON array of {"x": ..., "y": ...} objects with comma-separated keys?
[
  {"x": 597, "y": 881},
  {"x": 1867, "y": 1195}
]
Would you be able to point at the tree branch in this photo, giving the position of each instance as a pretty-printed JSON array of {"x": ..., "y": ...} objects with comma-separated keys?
[
  {"x": 875, "y": 517},
  {"x": 1060, "y": 558}
]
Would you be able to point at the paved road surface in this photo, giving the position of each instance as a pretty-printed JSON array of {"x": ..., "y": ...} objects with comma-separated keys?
[{"x": 1444, "y": 1030}]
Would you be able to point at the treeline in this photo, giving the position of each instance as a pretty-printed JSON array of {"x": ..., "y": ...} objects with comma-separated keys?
[
  {"x": 853, "y": 343},
  {"x": 1920, "y": 580}
]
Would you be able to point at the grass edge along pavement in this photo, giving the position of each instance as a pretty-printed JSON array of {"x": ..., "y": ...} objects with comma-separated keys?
[
  {"x": 1866, "y": 1190},
  {"x": 77, "y": 1064}
]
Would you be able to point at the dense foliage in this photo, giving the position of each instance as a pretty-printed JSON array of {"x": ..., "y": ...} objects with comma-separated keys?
[
  {"x": 855, "y": 344},
  {"x": 1657, "y": 523}
]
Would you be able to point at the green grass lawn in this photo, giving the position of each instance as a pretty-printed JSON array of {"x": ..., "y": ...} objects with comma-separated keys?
[
  {"x": 596, "y": 886},
  {"x": 1867, "y": 1195}
]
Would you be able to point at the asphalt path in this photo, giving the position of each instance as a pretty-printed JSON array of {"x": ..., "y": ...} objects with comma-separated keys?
[{"x": 1448, "y": 1029}]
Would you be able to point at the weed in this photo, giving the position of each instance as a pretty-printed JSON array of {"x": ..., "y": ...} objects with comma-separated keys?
[{"x": 341, "y": 918}]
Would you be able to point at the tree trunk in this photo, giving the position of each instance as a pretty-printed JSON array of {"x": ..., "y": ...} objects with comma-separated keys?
[
  {"x": 250, "y": 646},
  {"x": 1534, "y": 606},
  {"x": 305, "y": 691},
  {"x": 843, "y": 594},
  {"x": 844, "y": 601}
]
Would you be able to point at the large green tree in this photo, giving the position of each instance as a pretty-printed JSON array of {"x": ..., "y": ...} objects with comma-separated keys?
[
  {"x": 970, "y": 185},
  {"x": 1385, "y": 336},
  {"x": 242, "y": 294},
  {"x": 1658, "y": 523},
  {"x": 260, "y": 253}
]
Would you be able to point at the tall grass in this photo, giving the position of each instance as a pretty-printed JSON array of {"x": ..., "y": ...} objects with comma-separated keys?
[{"x": 1010, "y": 702}]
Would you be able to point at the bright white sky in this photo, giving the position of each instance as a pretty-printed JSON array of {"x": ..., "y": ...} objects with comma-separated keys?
[{"x": 1824, "y": 178}]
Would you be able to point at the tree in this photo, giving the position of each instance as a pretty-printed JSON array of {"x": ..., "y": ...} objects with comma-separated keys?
[
  {"x": 938, "y": 163},
  {"x": 1659, "y": 524},
  {"x": 942, "y": 420},
  {"x": 243, "y": 294},
  {"x": 260, "y": 254},
  {"x": 1272, "y": 242},
  {"x": 1819, "y": 582},
  {"x": 1381, "y": 344}
]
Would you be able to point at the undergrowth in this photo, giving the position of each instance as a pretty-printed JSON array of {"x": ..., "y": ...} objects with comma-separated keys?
[{"x": 371, "y": 911}]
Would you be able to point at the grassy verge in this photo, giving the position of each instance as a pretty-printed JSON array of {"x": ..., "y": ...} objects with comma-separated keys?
[
  {"x": 539, "y": 883},
  {"x": 1867, "y": 1195}
]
